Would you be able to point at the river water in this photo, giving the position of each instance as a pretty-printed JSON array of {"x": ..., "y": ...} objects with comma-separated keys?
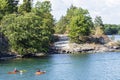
[
  {"x": 114, "y": 37},
  {"x": 100, "y": 66}
]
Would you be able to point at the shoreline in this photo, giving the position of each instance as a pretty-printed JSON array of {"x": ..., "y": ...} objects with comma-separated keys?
[
  {"x": 63, "y": 46},
  {"x": 85, "y": 51},
  {"x": 6, "y": 56},
  {"x": 86, "y": 48}
]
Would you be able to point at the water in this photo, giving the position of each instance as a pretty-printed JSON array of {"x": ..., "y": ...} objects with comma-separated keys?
[
  {"x": 101, "y": 66},
  {"x": 115, "y": 37}
]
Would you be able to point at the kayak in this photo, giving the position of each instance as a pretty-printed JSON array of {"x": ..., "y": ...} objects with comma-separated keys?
[
  {"x": 12, "y": 72},
  {"x": 39, "y": 73},
  {"x": 20, "y": 71}
]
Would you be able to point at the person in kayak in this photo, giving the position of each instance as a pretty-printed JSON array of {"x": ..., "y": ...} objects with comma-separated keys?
[
  {"x": 38, "y": 70},
  {"x": 15, "y": 70}
]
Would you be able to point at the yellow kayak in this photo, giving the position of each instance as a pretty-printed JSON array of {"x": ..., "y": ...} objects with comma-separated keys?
[{"x": 39, "y": 73}]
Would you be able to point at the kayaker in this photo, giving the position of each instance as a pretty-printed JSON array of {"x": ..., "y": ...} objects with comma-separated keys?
[
  {"x": 15, "y": 70},
  {"x": 38, "y": 70}
]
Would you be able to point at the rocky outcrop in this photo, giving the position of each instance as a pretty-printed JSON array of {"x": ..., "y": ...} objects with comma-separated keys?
[{"x": 97, "y": 44}]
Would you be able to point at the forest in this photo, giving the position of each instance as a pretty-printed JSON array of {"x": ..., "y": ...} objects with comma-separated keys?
[{"x": 31, "y": 29}]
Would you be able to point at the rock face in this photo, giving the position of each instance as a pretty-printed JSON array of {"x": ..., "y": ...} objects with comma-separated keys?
[
  {"x": 101, "y": 45},
  {"x": 3, "y": 44}
]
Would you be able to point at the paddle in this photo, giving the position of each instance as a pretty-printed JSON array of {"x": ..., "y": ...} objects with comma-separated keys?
[{"x": 21, "y": 71}]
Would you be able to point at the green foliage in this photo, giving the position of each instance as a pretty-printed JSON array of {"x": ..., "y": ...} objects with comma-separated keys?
[
  {"x": 98, "y": 26},
  {"x": 12, "y": 6},
  {"x": 43, "y": 9},
  {"x": 119, "y": 32},
  {"x": 31, "y": 32},
  {"x": 80, "y": 24},
  {"x": 25, "y": 7},
  {"x": 111, "y": 29},
  {"x": 61, "y": 25},
  {"x": 24, "y": 35},
  {"x": 98, "y": 22},
  {"x": 3, "y": 4},
  {"x": 7, "y": 7},
  {"x": 73, "y": 11},
  {"x": 43, "y": 6}
]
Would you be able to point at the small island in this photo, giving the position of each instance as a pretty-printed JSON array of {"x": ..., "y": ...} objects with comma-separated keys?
[{"x": 63, "y": 45}]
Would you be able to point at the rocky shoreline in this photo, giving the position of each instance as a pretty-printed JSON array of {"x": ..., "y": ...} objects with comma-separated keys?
[
  {"x": 6, "y": 56},
  {"x": 88, "y": 48},
  {"x": 64, "y": 46}
]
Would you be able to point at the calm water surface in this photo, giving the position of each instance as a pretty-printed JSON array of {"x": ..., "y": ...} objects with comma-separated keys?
[
  {"x": 115, "y": 37},
  {"x": 103, "y": 66}
]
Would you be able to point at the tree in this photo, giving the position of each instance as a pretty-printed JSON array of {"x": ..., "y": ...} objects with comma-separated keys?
[
  {"x": 61, "y": 25},
  {"x": 43, "y": 6},
  {"x": 25, "y": 7},
  {"x": 24, "y": 35},
  {"x": 80, "y": 25},
  {"x": 12, "y": 6},
  {"x": 98, "y": 22},
  {"x": 43, "y": 9},
  {"x": 7, "y": 7},
  {"x": 99, "y": 26},
  {"x": 111, "y": 29},
  {"x": 3, "y": 5},
  {"x": 29, "y": 33}
]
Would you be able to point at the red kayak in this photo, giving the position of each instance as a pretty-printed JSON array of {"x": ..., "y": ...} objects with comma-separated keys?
[{"x": 12, "y": 72}]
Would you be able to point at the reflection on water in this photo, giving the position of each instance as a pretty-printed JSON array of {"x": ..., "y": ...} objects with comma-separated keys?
[{"x": 103, "y": 66}]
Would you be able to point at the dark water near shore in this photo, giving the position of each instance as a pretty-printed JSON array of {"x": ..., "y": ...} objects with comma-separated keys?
[{"x": 103, "y": 66}]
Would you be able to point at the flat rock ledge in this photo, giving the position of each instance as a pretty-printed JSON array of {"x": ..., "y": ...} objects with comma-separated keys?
[{"x": 88, "y": 48}]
